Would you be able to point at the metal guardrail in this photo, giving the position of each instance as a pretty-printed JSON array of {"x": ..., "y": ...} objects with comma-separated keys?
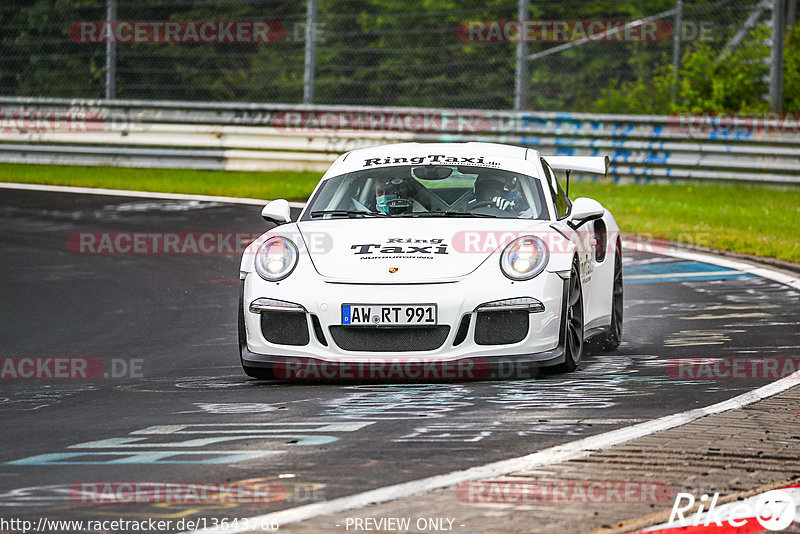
[{"x": 273, "y": 136}]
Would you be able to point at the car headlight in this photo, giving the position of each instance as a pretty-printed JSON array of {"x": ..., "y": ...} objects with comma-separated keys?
[
  {"x": 276, "y": 259},
  {"x": 524, "y": 258}
]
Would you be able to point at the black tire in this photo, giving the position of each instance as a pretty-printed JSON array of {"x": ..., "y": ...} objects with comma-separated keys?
[
  {"x": 262, "y": 373},
  {"x": 611, "y": 339},
  {"x": 573, "y": 335}
]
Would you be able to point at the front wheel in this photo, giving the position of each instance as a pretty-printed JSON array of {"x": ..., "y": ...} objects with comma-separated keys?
[{"x": 573, "y": 336}]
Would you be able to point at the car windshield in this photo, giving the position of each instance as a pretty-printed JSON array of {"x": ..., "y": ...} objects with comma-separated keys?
[{"x": 429, "y": 191}]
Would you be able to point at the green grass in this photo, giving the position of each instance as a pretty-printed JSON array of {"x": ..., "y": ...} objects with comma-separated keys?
[{"x": 750, "y": 219}]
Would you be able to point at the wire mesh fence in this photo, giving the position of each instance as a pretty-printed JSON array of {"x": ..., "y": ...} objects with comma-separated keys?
[{"x": 422, "y": 53}]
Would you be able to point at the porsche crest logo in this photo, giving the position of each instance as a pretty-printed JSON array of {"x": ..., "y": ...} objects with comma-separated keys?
[{"x": 392, "y": 270}]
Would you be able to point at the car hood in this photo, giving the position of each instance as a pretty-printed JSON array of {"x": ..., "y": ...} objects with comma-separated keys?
[{"x": 413, "y": 250}]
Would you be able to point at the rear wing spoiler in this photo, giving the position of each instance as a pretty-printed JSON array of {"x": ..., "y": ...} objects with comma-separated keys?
[{"x": 592, "y": 164}]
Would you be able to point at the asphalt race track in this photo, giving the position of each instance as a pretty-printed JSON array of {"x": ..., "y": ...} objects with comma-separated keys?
[{"x": 170, "y": 404}]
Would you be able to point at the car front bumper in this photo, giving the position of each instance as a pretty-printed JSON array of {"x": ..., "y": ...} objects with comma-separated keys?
[{"x": 312, "y": 336}]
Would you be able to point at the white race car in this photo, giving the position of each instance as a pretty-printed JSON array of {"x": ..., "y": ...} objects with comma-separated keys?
[{"x": 432, "y": 261}]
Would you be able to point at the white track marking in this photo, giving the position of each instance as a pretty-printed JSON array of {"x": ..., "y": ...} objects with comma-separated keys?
[
  {"x": 138, "y": 194},
  {"x": 681, "y": 275}
]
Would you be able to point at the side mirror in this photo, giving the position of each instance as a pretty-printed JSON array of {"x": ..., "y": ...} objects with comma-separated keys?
[
  {"x": 277, "y": 212},
  {"x": 585, "y": 210}
]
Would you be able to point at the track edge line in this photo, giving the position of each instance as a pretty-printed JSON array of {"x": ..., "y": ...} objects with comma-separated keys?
[{"x": 137, "y": 194}]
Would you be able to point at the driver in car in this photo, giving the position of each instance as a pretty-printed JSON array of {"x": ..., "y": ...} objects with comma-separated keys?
[
  {"x": 395, "y": 196},
  {"x": 495, "y": 190}
]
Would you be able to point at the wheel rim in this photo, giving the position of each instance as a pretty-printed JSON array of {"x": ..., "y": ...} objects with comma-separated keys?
[
  {"x": 617, "y": 302},
  {"x": 575, "y": 318}
]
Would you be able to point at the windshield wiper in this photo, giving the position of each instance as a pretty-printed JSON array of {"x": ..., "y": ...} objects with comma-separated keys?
[
  {"x": 320, "y": 213},
  {"x": 449, "y": 214}
]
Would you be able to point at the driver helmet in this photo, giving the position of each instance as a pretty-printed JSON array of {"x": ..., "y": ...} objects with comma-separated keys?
[
  {"x": 387, "y": 189},
  {"x": 489, "y": 186}
]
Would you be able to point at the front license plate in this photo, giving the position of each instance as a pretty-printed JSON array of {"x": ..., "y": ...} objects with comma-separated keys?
[{"x": 388, "y": 315}]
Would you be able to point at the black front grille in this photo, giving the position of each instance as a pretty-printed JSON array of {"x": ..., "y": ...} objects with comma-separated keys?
[
  {"x": 501, "y": 327},
  {"x": 285, "y": 328},
  {"x": 397, "y": 339}
]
